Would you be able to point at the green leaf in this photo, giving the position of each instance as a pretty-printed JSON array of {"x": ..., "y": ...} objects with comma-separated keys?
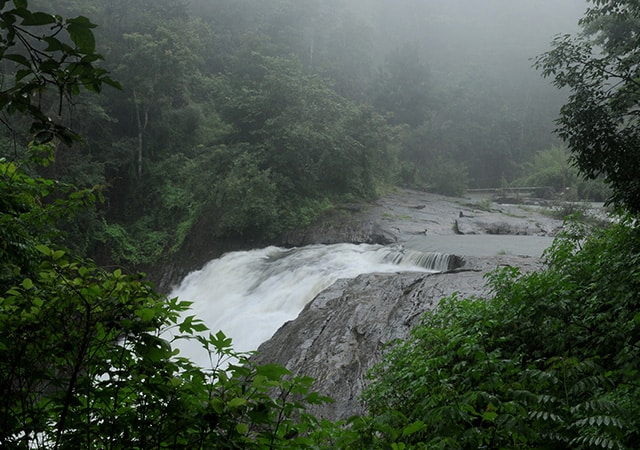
[
  {"x": 38, "y": 19},
  {"x": 54, "y": 45},
  {"x": 272, "y": 371},
  {"x": 20, "y": 59},
  {"x": 80, "y": 32},
  {"x": 237, "y": 402},
  {"x": 145, "y": 314},
  {"x": 489, "y": 416},
  {"x": 44, "y": 249},
  {"x": 43, "y": 137},
  {"x": 23, "y": 73},
  {"x": 27, "y": 283},
  {"x": 113, "y": 83},
  {"x": 413, "y": 428},
  {"x": 199, "y": 327}
]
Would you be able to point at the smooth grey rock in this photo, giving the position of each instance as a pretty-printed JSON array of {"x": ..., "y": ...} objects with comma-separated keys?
[
  {"x": 397, "y": 217},
  {"x": 342, "y": 333}
]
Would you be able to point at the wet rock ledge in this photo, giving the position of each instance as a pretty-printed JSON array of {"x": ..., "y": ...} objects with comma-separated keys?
[{"x": 343, "y": 332}]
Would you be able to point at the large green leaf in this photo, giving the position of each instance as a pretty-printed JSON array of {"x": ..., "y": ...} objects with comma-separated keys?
[{"x": 80, "y": 32}]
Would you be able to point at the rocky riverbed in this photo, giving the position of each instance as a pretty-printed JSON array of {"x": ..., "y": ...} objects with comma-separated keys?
[
  {"x": 342, "y": 333},
  {"x": 407, "y": 217}
]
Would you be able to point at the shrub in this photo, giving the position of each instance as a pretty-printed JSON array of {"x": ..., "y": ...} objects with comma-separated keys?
[{"x": 550, "y": 361}]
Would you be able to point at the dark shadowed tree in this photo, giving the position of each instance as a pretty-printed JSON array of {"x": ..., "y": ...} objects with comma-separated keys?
[{"x": 600, "y": 122}]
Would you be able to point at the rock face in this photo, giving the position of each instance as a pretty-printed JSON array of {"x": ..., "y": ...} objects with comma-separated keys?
[
  {"x": 400, "y": 216},
  {"x": 396, "y": 218},
  {"x": 342, "y": 333},
  {"x": 357, "y": 224}
]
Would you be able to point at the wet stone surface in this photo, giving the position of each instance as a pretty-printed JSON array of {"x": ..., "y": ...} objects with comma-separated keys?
[{"x": 341, "y": 334}]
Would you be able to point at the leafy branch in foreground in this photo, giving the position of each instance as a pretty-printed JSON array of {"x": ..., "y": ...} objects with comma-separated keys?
[
  {"x": 86, "y": 361},
  {"x": 45, "y": 52},
  {"x": 599, "y": 122}
]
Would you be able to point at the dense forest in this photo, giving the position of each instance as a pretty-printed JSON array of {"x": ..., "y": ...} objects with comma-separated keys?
[
  {"x": 238, "y": 120},
  {"x": 247, "y": 118}
]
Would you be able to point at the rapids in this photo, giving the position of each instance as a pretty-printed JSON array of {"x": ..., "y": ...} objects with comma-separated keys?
[{"x": 250, "y": 294}]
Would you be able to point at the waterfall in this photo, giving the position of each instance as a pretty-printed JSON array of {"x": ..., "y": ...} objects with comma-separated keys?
[
  {"x": 434, "y": 261},
  {"x": 250, "y": 294}
]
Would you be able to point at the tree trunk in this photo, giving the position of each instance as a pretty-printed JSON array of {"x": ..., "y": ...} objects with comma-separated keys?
[{"x": 142, "y": 117}]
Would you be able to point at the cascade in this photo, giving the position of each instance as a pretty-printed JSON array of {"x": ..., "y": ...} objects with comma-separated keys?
[
  {"x": 250, "y": 294},
  {"x": 435, "y": 261}
]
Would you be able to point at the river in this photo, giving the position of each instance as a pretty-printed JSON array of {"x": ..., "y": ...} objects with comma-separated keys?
[{"x": 249, "y": 295}]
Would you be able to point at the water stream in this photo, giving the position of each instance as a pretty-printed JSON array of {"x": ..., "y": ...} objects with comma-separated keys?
[{"x": 250, "y": 294}]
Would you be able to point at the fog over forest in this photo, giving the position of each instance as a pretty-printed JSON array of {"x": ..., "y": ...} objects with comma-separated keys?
[
  {"x": 480, "y": 38},
  {"x": 455, "y": 33},
  {"x": 240, "y": 120}
]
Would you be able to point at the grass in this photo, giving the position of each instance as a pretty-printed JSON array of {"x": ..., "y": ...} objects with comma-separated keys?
[{"x": 482, "y": 205}]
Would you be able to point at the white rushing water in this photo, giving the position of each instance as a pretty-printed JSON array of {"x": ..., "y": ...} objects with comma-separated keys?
[{"x": 250, "y": 294}]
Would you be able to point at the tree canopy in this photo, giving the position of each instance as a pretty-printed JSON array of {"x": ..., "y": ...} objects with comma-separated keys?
[
  {"x": 313, "y": 99},
  {"x": 87, "y": 358}
]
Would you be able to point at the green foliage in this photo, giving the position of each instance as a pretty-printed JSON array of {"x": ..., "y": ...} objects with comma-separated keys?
[
  {"x": 315, "y": 142},
  {"x": 427, "y": 165},
  {"x": 85, "y": 363},
  {"x": 402, "y": 87},
  {"x": 22, "y": 216},
  {"x": 248, "y": 199},
  {"x": 448, "y": 177},
  {"x": 599, "y": 122},
  {"x": 551, "y": 171},
  {"x": 292, "y": 86},
  {"x": 551, "y": 361},
  {"x": 123, "y": 247},
  {"x": 87, "y": 356}
]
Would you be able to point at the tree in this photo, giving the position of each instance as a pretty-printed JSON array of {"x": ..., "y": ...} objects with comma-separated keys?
[
  {"x": 601, "y": 120},
  {"x": 167, "y": 54},
  {"x": 86, "y": 355},
  {"x": 402, "y": 87}
]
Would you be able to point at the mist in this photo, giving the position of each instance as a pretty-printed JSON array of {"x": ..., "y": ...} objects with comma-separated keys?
[{"x": 457, "y": 33}]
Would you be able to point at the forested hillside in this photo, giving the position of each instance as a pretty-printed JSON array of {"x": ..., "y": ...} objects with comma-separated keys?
[{"x": 239, "y": 120}]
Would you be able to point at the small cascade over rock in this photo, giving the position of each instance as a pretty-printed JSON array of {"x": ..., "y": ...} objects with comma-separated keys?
[{"x": 434, "y": 261}]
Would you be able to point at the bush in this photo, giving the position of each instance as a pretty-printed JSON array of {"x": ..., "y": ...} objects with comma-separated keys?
[
  {"x": 87, "y": 357},
  {"x": 551, "y": 361},
  {"x": 448, "y": 178}
]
